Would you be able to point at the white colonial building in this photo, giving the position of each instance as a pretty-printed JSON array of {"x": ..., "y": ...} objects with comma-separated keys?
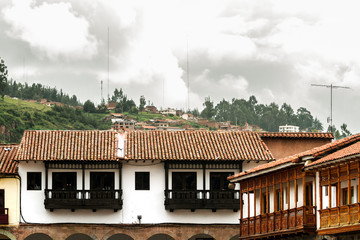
[{"x": 168, "y": 184}]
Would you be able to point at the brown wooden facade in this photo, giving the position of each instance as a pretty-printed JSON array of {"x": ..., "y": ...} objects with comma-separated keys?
[
  {"x": 340, "y": 212},
  {"x": 282, "y": 218}
]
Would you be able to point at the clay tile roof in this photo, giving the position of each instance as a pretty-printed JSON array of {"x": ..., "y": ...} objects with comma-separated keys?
[
  {"x": 7, "y": 155},
  {"x": 353, "y": 149},
  {"x": 40, "y": 145},
  {"x": 315, "y": 152},
  {"x": 296, "y": 135},
  {"x": 195, "y": 145}
]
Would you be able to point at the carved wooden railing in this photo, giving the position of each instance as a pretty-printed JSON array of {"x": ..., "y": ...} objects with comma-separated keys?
[
  {"x": 340, "y": 216},
  {"x": 278, "y": 221},
  {"x": 4, "y": 216},
  {"x": 202, "y": 199},
  {"x": 83, "y": 199}
]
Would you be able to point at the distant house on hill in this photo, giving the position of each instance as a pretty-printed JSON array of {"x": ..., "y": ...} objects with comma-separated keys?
[
  {"x": 188, "y": 117},
  {"x": 168, "y": 111},
  {"x": 288, "y": 128},
  {"x": 210, "y": 124},
  {"x": 111, "y": 105},
  {"x": 151, "y": 109}
]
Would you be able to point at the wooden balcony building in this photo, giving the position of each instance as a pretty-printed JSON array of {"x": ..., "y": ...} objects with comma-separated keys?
[
  {"x": 338, "y": 175},
  {"x": 316, "y": 192}
]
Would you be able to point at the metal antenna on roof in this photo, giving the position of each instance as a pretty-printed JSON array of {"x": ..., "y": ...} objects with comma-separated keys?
[
  {"x": 331, "y": 88},
  {"x": 187, "y": 74},
  {"x": 102, "y": 98},
  {"x": 108, "y": 59}
]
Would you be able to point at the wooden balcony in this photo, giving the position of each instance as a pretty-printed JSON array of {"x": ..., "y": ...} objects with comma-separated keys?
[
  {"x": 340, "y": 219},
  {"x": 202, "y": 199},
  {"x": 4, "y": 216},
  {"x": 83, "y": 199},
  {"x": 282, "y": 223}
]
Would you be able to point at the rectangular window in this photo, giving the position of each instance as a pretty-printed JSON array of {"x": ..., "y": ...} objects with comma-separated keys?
[
  {"x": 345, "y": 195},
  {"x": 2, "y": 198},
  {"x": 184, "y": 181},
  {"x": 265, "y": 204},
  {"x": 142, "y": 180},
  {"x": 278, "y": 200},
  {"x": 308, "y": 194},
  {"x": 102, "y": 180},
  {"x": 34, "y": 181},
  {"x": 64, "y": 180},
  {"x": 218, "y": 180},
  {"x": 326, "y": 188}
]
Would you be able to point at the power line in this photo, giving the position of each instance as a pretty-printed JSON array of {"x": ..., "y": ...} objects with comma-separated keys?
[{"x": 331, "y": 89}]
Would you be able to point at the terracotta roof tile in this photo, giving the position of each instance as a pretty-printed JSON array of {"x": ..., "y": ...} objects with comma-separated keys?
[
  {"x": 315, "y": 152},
  {"x": 195, "y": 145},
  {"x": 68, "y": 145},
  {"x": 351, "y": 150},
  {"x": 296, "y": 135},
  {"x": 7, "y": 155}
]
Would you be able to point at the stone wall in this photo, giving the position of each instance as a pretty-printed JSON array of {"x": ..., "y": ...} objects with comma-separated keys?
[{"x": 124, "y": 231}]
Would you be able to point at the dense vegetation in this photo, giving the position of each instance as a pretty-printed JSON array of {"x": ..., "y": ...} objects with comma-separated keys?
[
  {"x": 268, "y": 117},
  {"x": 37, "y": 92}
]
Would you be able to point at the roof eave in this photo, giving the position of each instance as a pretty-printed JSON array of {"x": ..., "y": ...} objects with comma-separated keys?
[
  {"x": 322, "y": 164},
  {"x": 261, "y": 172}
]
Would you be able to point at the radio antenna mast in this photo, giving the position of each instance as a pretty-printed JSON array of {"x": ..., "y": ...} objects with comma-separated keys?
[
  {"x": 108, "y": 46},
  {"x": 331, "y": 89}
]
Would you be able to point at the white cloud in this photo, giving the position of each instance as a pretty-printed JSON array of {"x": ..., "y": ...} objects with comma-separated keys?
[{"x": 54, "y": 29}]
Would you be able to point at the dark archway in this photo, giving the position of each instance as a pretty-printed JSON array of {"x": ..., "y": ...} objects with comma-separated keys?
[
  {"x": 120, "y": 237},
  {"x": 201, "y": 237},
  {"x": 3, "y": 237},
  {"x": 79, "y": 236},
  {"x": 161, "y": 237},
  {"x": 38, "y": 236}
]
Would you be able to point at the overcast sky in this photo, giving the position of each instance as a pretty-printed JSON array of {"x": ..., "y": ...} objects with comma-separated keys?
[{"x": 271, "y": 49}]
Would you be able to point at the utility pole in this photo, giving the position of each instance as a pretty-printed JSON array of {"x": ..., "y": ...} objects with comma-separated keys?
[{"x": 331, "y": 89}]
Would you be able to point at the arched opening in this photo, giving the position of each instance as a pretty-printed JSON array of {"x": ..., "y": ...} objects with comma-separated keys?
[
  {"x": 38, "y": 236},
  {"x": 120, "y": 237},
  {"x": 79, "y": 236},
  {"x": 3, "y": 237},
  {"x": 161, "y": 237},
  {"x": 236, "y": 237},
  {"x": 6, "y": 235},
  {"x": 202, "y": 237}
]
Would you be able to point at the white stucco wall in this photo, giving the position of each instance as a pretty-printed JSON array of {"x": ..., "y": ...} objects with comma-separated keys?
[
  {"x": 147, "y": 203},
  {"x": 11, "y": 186}
]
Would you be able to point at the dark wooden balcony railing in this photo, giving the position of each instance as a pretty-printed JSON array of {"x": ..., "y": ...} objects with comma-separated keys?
[
  {"x": 276, "y": 223},
  {"x": 202, "y": 199},
  {"x": 4, "y": 216},
  {"x": 340, "y": 216},
  {"x": 83, "y": 199}
]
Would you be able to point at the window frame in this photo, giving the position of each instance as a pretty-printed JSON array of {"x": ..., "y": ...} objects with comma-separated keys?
[
  {"x": 32, "y": 176},
  {"x": 142, "y": 181}
]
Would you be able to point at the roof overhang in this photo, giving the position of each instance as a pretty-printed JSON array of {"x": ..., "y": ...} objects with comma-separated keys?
[
  {"x": 262, "y": 172},
  {"x": 331, "y": 162}
]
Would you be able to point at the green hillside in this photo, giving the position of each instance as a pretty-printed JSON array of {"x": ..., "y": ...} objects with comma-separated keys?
[{"x": 17, "y": 115}]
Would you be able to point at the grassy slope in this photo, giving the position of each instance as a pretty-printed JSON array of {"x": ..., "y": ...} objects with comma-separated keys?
[{"x": 18, "y": 115}]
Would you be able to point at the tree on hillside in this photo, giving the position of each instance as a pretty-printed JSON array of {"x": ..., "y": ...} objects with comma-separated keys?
[
  {"x": 142, "y": 103},
  {"x": 305, "y": 119},
  {"x": 3, "y": 77},
  {"x": 89, "y": 107},
  {"x": 209, "y": 111}
]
